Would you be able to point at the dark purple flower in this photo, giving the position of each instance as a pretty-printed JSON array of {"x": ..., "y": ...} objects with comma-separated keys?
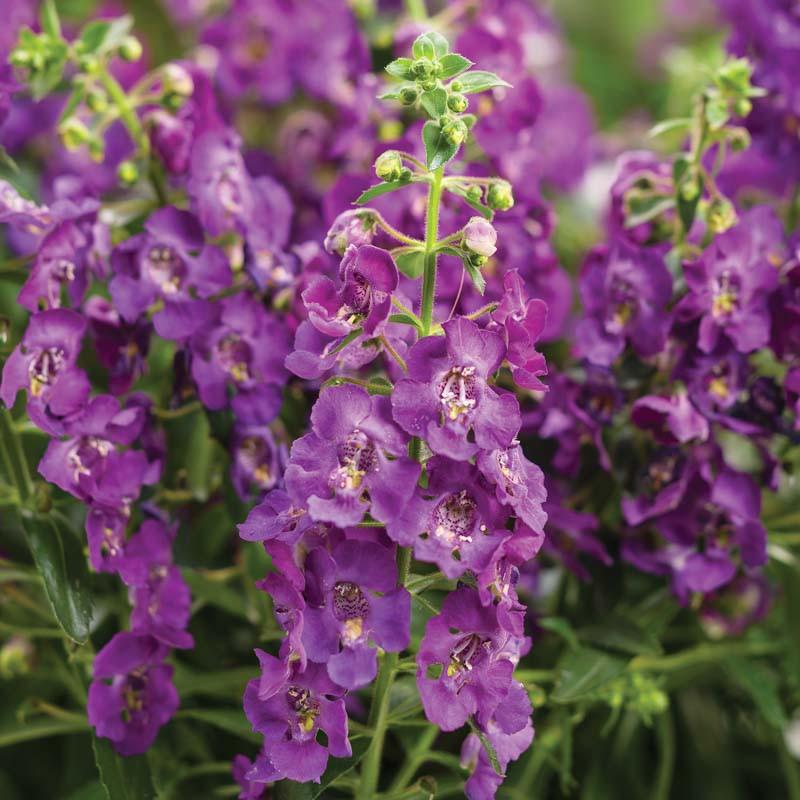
[
  {"x": 170, "y": 263},
  {"x": 671, "y": 420},
  {"x": 356, "y": 226},
  {"x": 258, "y": 460},
  {"x": 729, "y": 611},
  {"x": 244, "y": 349},
  {"x": 44, "y": 365},
  {"x": 352, "y": 605},
  {"x": 367, "y": 276},
  {"x": 140, "y": 697},
  {"x": 465, "y": 663},
  {"x": 250, "y": 789},
  {"x": 447, "y": 394},
  {"x": 290, "y": 708},
  {"x": 624, "y": 291},
  {"x": 22, "y": 214},
  {"x": 353, "y": 462},
  {"x": 160, "y": 597},
  {"x": 731, "y": 283}
]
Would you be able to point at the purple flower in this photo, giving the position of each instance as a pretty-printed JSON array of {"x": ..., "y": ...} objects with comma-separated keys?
[
  {"x": 454, "y": 522},
  {"x": 161, "y": 599},
  {"x": 44, "y": 365},
  {"x": 729, "y": 611},
  {"x": 465, "y": 663},
  {"x": 22, "y": 214},
  {"x": 447, "y": 394},
  {"x": 168, "y": 262},
  {"x": 521, "y": 322},
  {"x": 258, "y": 460},
  {"x": 353, "y": 462},
  {"x": 624, "y": 292},
  {"x": 480, "y": 237},
  {"x": 671, "y": 420},
  {"x": 290, "y": 708},
  {"x": 231, "y": 351},
  {"x": 352, "y": 605},
  {"x": 731, "y": 284},
  {"x": 368, "y": 276},
  {"x": 354, "y": 227},
  {"x": 140, "y": 697},
  {"x": 240, "y": 768}
]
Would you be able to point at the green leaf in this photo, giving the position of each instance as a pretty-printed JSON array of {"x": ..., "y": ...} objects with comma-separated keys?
[
  {"x": 7, "y": 161},
  {"x": 15, "y": 466},
  {"x": 73, "y": 101},
  {"x": 230, "y": 720},
  {"x": 430, "y": 45},
  {"x": 62, "y": 565},
  {"x": 438, "y": 150},
  {"x": 760, "y": 683},
  {"x": 622, "y": 634},
  {"x": 483, "y": 210},
  {"x": 400, "y": 68},
  {"x": 487, "y": 746},
  {"x": 215, "y": 593},
  {"x": 224, "y": 684},
  {"x": 479, "y": 81},
  {"x": 400, "y": 319},
  {"x": 48, "y": 17},
  {"x": 102, "y": 36},
  {"x": 582, "y": 672},
  {"x": 123, "y": 778},
  {"x": 453, "y": 64},
  {"x": 289, "y": 790},
  {"x": 562, "y": 627},
  {"x": 643, "y": 208},
  {"x": 411, "y": 263},
  {"x": 337, "y": 767},
  {"x": 41, "y": 83},
  {"x": 378, "y": 189},
  {"x": 669, "y": 125},
  {"x": 14, "y": 732},
  {"x": 434, "y": 102},
  {"x": 478, "y": 281}
]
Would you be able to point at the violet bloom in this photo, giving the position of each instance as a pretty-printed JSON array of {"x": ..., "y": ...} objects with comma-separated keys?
[
  {"x": 291, "y": 708},
  {"x": 464, "y": 665},
  {"x": 77, "y": 464},
  {"x": 664, "y": 481},
  {"x": 731, "y": 283},
  {"x": 480, "y": 237},
  {"x": 22, "y": 214},
  {"x": 353, "y": 462},
  {"x": 250, "y": 789},
  {"x": 447, "y": 393},
  {"x": 521, "y": 321},
  {"x": 140, "y": 697},
  {"x": 244, "y": 349},
  {"x": 356, "y": 226},
  {"x": 732, "y": 609},
  {"x": 353, "y": 605},
  {"x": 160, "y": 597},
  {"x": 368, "y": 276},
  {"x": 171, "y": 263},
  {"x": 44, "y": 364},
  {"x": 454, "y": 522},
  {"x": 671, "y": 420},
  {"x": 624, "y": 292},
  {"x": 510, "y": 732},
  {"x": 258, "y": 460}
]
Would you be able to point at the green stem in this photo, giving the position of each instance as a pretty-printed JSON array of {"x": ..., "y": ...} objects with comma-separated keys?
[
  {"x": 379, "y": 711},
  {"x": 704, "y": 654},
  {"x": 126, "y": 111},
  {"x": 393, "y": 232},
  {"x": 416, "y": 10},
  {"x": 431, "y": 232},
  {"x": 665, "y": 729},
  {"x": 14, "y": 461},
  {"x": 415, "y": 757}
]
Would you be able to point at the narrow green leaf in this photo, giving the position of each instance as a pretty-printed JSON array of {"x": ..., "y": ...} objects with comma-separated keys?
[
  {"x": 337, "y": 767},
  {"x": 230, "y": 720},
  {"x": 289, "y": 790},
  {"x": 430, "y": 45},
  {"x": 7, "y": 161},
  {"x": 123, "y": 778},
  {"x": 434, "y": 102},
  {"x": 669, "y": 125},
  {"x": 478, "y": 281},
  {"x": 621, "y": 634},
  {"x": 73, "y": 101},
  {"x": 216, "y": 593},
  {"x": 411, "y": 263},
  {"x": 483, "y": 210},
  {"x": 378, "y": 189},
  {"x": 400, "y": 68},
  {"x": 102, "y": 36},
  {"x": 643, "y": 209},
  {"x": 400, "y": 319},
  {"x": 223, "y": 684},
  {"x": 761, "y": 684},
  {"x": 562, "y": 627},
  {"x": 438, "y": 150},
  {"x": 48, "y": 17},
  {"x": 487, "y": 746},
  {"x": 62, "y": 565},
  {"x": 15, "y": 465},
  {"x": 15, "y": 732},
  {"x": 581, "y": 672},
  {"x": 479, "y": 81},
  {"x": 453, "y": 64}
]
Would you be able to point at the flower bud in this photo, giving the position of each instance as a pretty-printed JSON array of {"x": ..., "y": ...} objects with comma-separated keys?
[
  {"x": 742, "y": 107},
  {"x": 130, "y": 49},
  {"x": 454, "y": 131},
  {"x": 456, "y": 86},
  {"x": 423, "y": 69},
  {"x": 499, "y": 196},
  {"x": 176, "y": 80},
  {"x": 97, "y": 150},
  {"x": 477, "y": 260},
  {"x": 389, "y": 166},
  {"x": 739, "y": 139},
  {"x": 457, "y": 103},
  {"x": 16, "y": 657},
  {"x": 428, "y": 84},
  {"x": 97, "y": 100},
  {"x": 474, "y": 194},
  {"x": 408, "y": 95},
  {"x": 480, "y": 237},
  {"x": 73, "y": 133},
  {"x": 128, "y": 173},
  {"x": 689, "y": 187},
  {"x": 721, "y": 215},
  {"x": 355, "y": 226},
  {"x": 89, "y": 64}
]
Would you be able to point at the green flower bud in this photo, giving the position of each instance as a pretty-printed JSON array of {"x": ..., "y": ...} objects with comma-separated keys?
[
  {"x": 457, "y": 103},
  {"x": 89, "y": 64},
  {"x": 130, "y": 49},
  {"x": 20, "y": 58},
  {"x": 128, "y": 173},
  {"x": 499, "y": 196},
  {"x": 97, "y": 150},
  {"x": 428, "y": 84},
  {"x": 455, "y": 131},
  {"x": 739, "y": 139},
  {"x": 477, "y": 260},
  {"x": 389, "y": 166},
  {"x": 16, "y": 657},
  {"x": 97, "y": 100},
  {"x": 721, "y": 215},
  {"x": 475, "y": 194},
  {"x": 405, "y": 174},
  {"x": 456, "y": 86},
  {"x": 742, "y": 107},
  {"x": 176, "y": 80},
  {"x": 73, "y": 133},
  {"x": 422, "y": 69},
  {"x": 689, "y": 187},
  {"x": 408, "y": 95}
]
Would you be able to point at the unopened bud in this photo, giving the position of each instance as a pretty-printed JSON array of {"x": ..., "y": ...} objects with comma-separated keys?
[
  {"x": 422, "y": 69},
  {"x": 389, "y": 166},
  {"x": 73, "y": 133},
  {"x": 689, "y": 187},
  {"x": 97, "y": 150},
  {"x": 128, "y": 173},
  {"x": 742, "y": 107},
  {"x": 97, "y": 100},
  {"x": 130, "y": 49},
  {"x": 89, "y": 64},
  {"x": 408, "y": 95},
  {"x": 721, "y": 215},
  {"x": 177, "y": 80},
  {"x": 474, "y": 194},
  {"x": 16, "y": 657},
  {"x": 739, "y": 139},
  {"x": 480, "y": 237},
  {"x": 456, "y": 86},
  {"x": 499, "y": 196},
  {"x": 457, "y": 103},
  {"x": 454, "y": 131}
]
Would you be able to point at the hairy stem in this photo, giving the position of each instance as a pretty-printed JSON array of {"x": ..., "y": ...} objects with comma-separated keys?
[{"x": 431, "y": 232}]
